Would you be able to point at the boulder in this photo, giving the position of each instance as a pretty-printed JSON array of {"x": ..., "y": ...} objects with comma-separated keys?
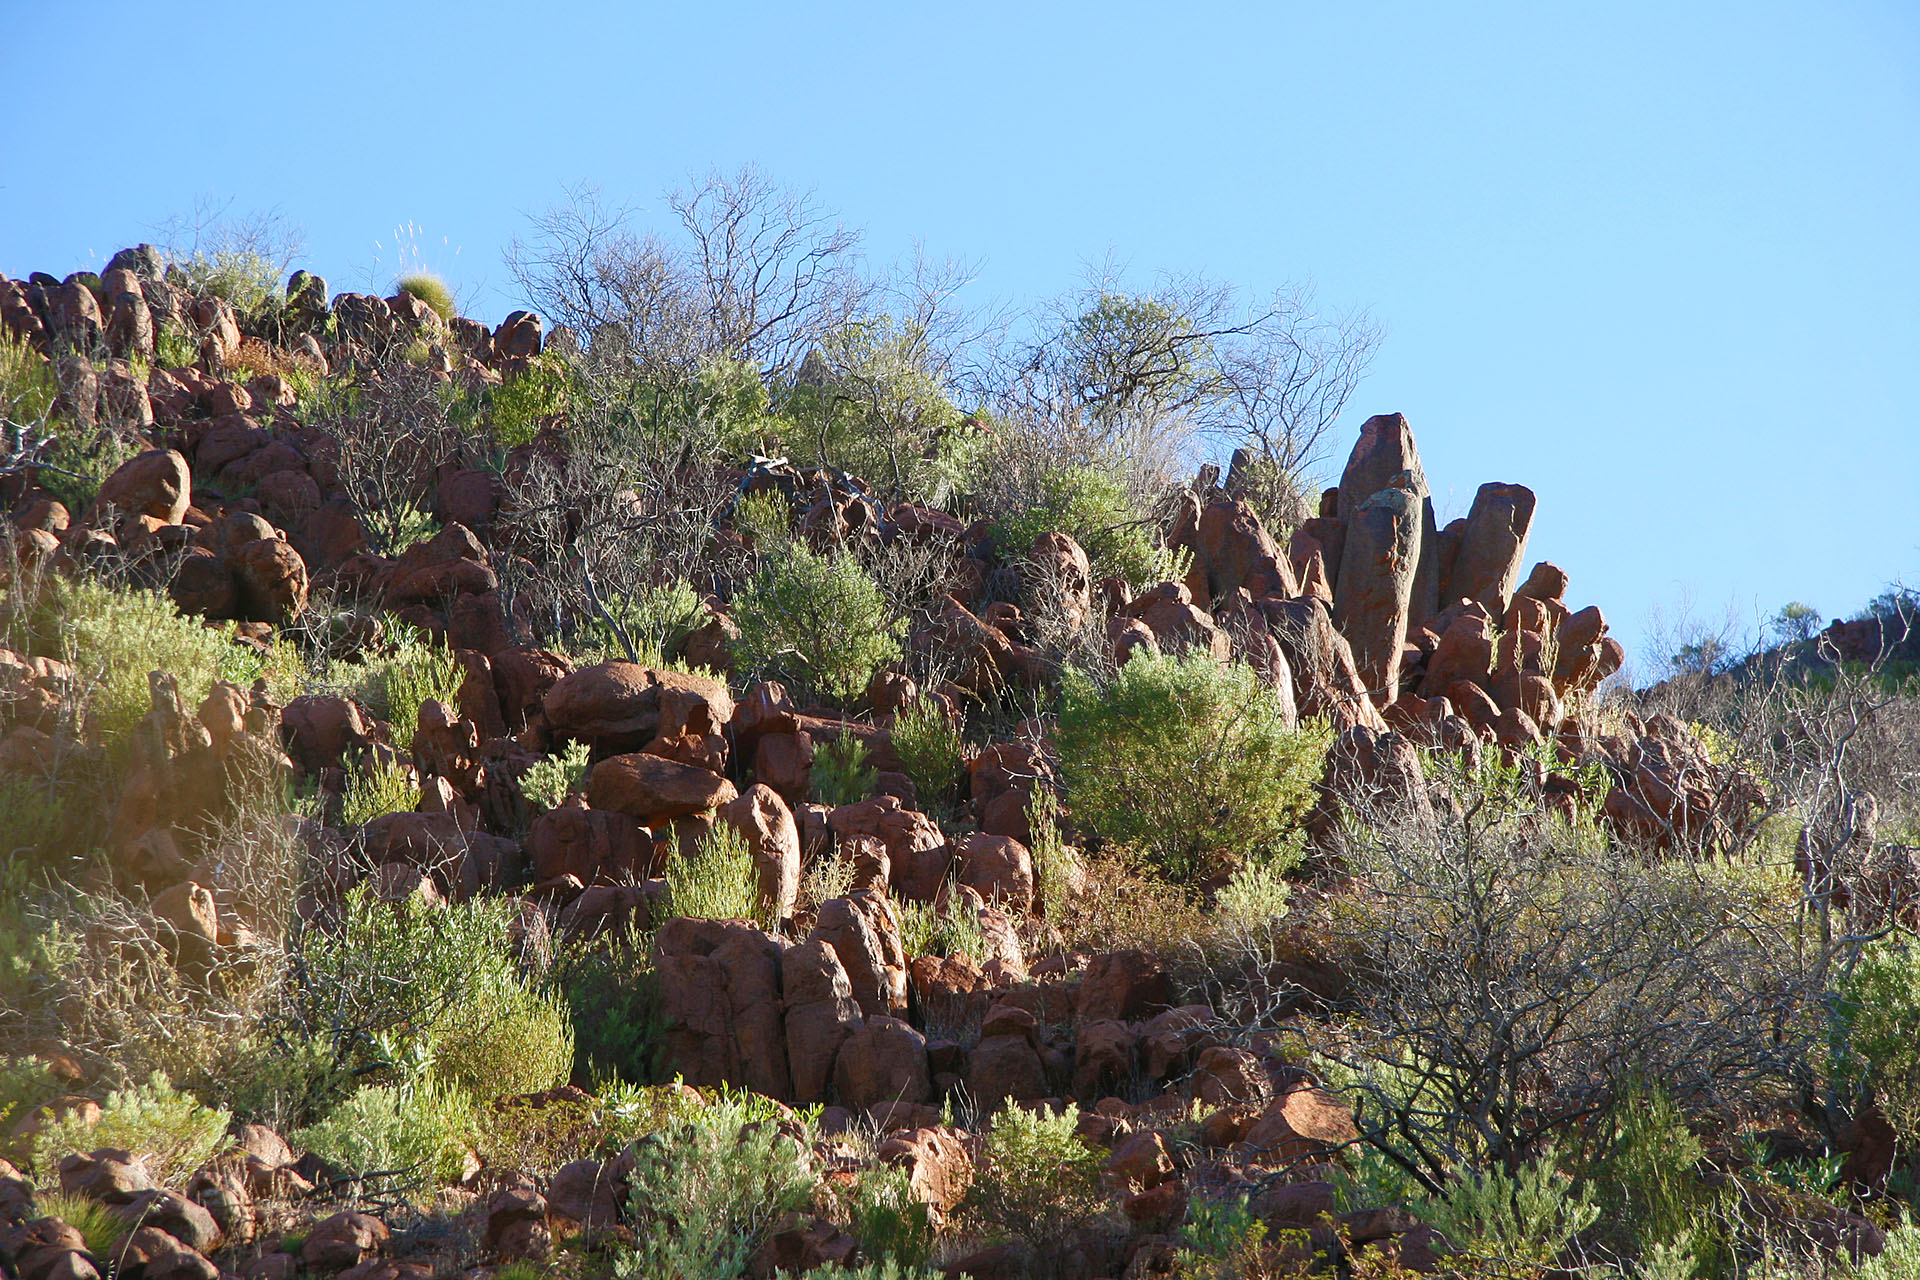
[
  {"x": 999, "y": 868},
  {"x": 1375, "y": 586},
  {"x": 820, "y": 1014},
  {"x": 156, "y": 483},
  {"x": 883, "y": 1060},
  {"x": 653, "y": 790},
  {"x": 864, "y": 933},
  {"x": 766, "y": 824},
  {"x": 1494, "y": 541},
  {"x": 622, "y": 706},
  {"x": 720, "y": 997}
]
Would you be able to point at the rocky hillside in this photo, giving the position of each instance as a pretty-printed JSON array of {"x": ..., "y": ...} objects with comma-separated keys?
[{"x": 470, "y": 804}]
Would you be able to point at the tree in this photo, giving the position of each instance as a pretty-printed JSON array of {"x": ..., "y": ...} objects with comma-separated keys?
[{"x": 755, "y": 272}]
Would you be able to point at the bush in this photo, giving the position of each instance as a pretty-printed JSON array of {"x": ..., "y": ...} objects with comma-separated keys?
[
  {"x": 649, "y": 627},
  {"x": 414, "y": 670},
  {"x": 890, "y": 1222},
  {"x": 1526, "y": 1217},
  {"x": 1035, "y": 1180},
  {"x": 375, "y": 787},
  {"x": 930, "y": 930},
  {"x": 27, "y": 386},
  {"x": 522, "y": 404},
  {"x": 550, "y": 780},
  {"x": 928, "y": 744},
  {"x": 1057, "y": 868},
  {"x": 710, "y": 1192},
  {"x": 99, "y": 1226},
  {"x": 719, "y": 882},
  {"x": 817, "y": 622},
  {"x": 841, "y": 774},
  {"x": 1187, "y": 761},
  {"x": 171, "y": 1131},
  {"x": 1089, "y": 505},
  {"x": 430, "y": 289},
  {"x": 611, "y": 987},
  {"x": 1881, "y": 1010},
  {"x": 396, "y": 991},
  {"x": 417, "y": 1133}
]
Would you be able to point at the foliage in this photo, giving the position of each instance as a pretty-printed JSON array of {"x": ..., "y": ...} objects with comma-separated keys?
[
  {"x": 610, "y": 985},
  {"x": 817, "y": 622},
  {"x": 25, "y": 1084},
  {"x": 927, "y": 929},
  {"x": 763, "y": 518},
  {"x": 27, "y": 386},
  {"x": 1190, "y": 762},
  {"x": 890, "y": 1222},
  {"x": 1255, "y": 895},
  {"x": 928, "y": 744},
  {"x": 1057, "y": 868},
  {"x": 430, "y": 289},
  {"x": 414, "y": 670},
  {"x": 394, "y": 991},
  {"x": 1900, "y": 1259},
  {"x": 649, "y": 627},
  {"x": 38, "y": 816},
  {"x": 841, "y": 774},
  {"x": 376, "y": 787},
  {"x": 113, "y": 638},
  {"x": 1649, "y": 1181},
  {"x": 711, "y": 1191},
  {"x": 1090, "y": 505},
  {"x": 171, "y": 1131},
  {"x": 526, "y": 401},
  {"x": 1220, "y": 1239},
  {"x": 1527, "y": 1216},
  {"x": 99, "y": 1226},
  {"x": 551, "y": 779},
  {"x": 417, "y": 1133},
  {"x": 1880, "y": 1010},
  {"x": 719, "y": 882},
  {"x": 1035, "y": 1180}
]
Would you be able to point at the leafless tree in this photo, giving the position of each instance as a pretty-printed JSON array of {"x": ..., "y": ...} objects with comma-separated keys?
[{"x": 753, "y": 272}]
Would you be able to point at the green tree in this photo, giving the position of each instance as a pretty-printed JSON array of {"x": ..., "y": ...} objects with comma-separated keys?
[{"x": 815, "y": 621}]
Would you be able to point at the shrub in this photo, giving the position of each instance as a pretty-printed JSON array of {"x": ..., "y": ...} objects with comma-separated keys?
[
  {"x": 841, "y": 774},
  {"x": 414, "y": 670},
  {"x": 649, "y": 627},
  {"x": 1255, "y": 895},
  {"x": 375, "y": 787},
  {"x": 1526, "y": 1217},
  {"x": 930, "y": 930},
  {"x": 25, "y": 1084},
  {"x": 430, "y": 289},
  {"x": 1881, "y": 1011},
  {"x": 395, "y": 991},
  {"x": 1187, "y": 761},
  {"x": 1649, "y": 1179},
  {"x": 890, "y": 1222},
  {"x": 1089, "y": 505},
  {"x": 719, "y": 882},
  {"x": 169, "y": 1130},
  {"x": 817, "y": 622},
  {"x": 764, "y": 518},
  {"x": 1035, "y": 1180},
  {"x": 99, "y": 1226},
  {"x": 419, "y": 1133},
  {"x": 710, "y": 1192},
  {"x": 27, "y": 386},
  {"x": 112, "y": 638},
  {"x": 522, "y": 404},
  {"x": 1057, "y": 868},
  {"x": 610, "y": 985},
  {"x": 928, "y": 744},
  {"x": 1900, "y": 1259},
  {"x": 551, "y": 779}
]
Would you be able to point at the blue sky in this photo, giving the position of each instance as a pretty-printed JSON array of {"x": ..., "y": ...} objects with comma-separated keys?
[{"x": 1657, "y": 261}]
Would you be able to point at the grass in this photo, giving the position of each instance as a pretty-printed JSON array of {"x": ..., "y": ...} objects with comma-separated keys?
[{"x": 430, "y": 289}]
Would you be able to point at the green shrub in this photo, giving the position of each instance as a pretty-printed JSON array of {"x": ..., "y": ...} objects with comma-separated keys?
[
  {"x": 1220, "y": 1240},
  {"x": 650, "y": 627},
  {"x": 112, "y": 638},
  {"x": 817, "y": 622},
  {"x": 764, "y": 518},
  {"x": 1089, "y": 505},
  {"x": 929, "y": 747},
  {"x": 1526, "y": 1217},
  {"x": 99, "y": 1226},
  {"x": 551, "y": 779},
  {"x": 1649, "y": 1180},
  {"x": 419, "y": 1132},
  {"x": 889, "y": 1221},
  {"x": 171, "y": 1131},
  {"x": 719, "y": 882},
  {"x": 1057, "y": 867},
  {"x": 1901, "y": 1258},
  {"x": 928, "y": 930},
  {"x": 396, "y": 991},
  {"x": 414, "y": 670},
  {"x": 841, "y": 774},
  {"x": 430, "y": 289},
  {"x": 1256, "y": 894},
  {"x": 1188, "y": 762},
  {"x": 611, "y": 987},
  {"x": 376, "y": 787},
  {"x": 248, "y": 279},
  {"x": 27, "y": 386},
  {"x": 1881, "y": 1010},
  {"x": 711, "y": 1191},
  {"x": 25, "y": 1084},
  {"x": 521, "y": 404},
  {"x": 1035, "y": 1180}
]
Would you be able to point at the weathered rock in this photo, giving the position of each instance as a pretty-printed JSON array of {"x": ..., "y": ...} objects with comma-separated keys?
[
  {"x": 592, "y": 845},
  {"x": 653, "y": 790},
  {"x": 344, "y": 1240},
  {"x": 938, "y": 1164},
  {"x": 883, "y": 1060},
  {"x": 766, "y": 824},
  {"x": 622, "y": 706},
  {"x": 820, "y": 1014},
  {"x": 720, "y": 996},
  {"x": 864, "y": 933},
  {"x": 1375, "y": 586},
  {"x": 1487, "y": 566},
  {"x": 1304, "y": 1122},
  {"x": 917, "y": 852},
  {"x": 1385, "y": 451},
  {"x": 156, "y": 483},
  {"x": 1122, "y": 986},
  {"x": 999, "y": 868}
]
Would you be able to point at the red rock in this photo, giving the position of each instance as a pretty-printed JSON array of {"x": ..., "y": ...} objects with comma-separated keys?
[
  {"x": 864, "y": 932},
  {"x": 820, "y": 1014},
  {"x": 1123, "y": 986},
  {"x": 917, "y": 853},
  {"x": 939, "y": 1166},
  {"x": 344, "y": 1240},
  {"x": 999, "y": 868},
  {"x": 766, "y": 824},
  {"x": 653, "y": 790},
  {"x": 1303, "y": 1123},
  {"x": 592, "y": 845},
  {"x": 623, "y": 706},
  {"x": 720, "y": 997},
  {"x": 156, "y": 483},
  {"x": 883, "y": 1060}
]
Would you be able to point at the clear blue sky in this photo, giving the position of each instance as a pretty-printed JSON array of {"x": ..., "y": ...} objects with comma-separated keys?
[{"x": 1657, "y": 261}]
